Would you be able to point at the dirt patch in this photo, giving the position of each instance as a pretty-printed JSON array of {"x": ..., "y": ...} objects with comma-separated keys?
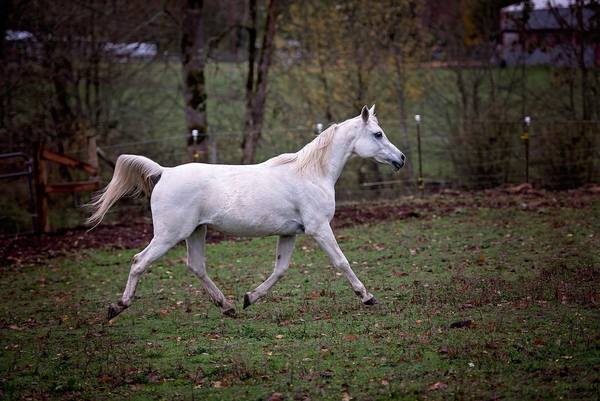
[{"x": 137, "y": 233}]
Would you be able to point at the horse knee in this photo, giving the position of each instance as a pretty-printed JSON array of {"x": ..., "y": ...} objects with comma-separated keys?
[
  {"x": 137, "y": 269},
  {"x": 341, "y": 264},
  {"x": 199, "y": 271}
]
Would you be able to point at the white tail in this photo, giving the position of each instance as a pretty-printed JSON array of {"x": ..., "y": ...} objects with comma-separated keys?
[{"x": 133, "y": 175}]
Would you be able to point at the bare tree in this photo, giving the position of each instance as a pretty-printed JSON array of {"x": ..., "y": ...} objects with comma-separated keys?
[
  {"x": 193, "y": 48},
  {"x": 256, "y": 82}
]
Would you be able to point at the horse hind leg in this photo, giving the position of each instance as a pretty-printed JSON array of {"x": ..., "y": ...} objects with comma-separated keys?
[
  {"x": 196, "y": 263},
  {"x": 140, "y": 264}
]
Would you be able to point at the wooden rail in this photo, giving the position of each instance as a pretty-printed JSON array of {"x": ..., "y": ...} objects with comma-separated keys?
[{"x": 43, "y": 188}]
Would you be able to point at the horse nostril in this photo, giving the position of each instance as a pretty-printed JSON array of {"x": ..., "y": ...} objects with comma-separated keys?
[
  {"x": 402, "y": 157},
  {"x": 397, "y": 165}
]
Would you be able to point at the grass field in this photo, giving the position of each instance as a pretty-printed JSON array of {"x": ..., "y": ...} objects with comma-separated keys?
[{"x": 527, "y": 282}]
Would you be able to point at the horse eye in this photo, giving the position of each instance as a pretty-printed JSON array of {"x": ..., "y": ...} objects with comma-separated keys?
[{"x": 378, "y": 135}]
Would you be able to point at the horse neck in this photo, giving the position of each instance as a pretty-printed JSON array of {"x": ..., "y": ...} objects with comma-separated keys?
[{"x": 339, "y": 153}]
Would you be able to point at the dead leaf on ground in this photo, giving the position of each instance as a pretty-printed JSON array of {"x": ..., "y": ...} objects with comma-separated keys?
[
  {"x": 438, "y": 386},
  {"x": 276, "y": 397},
  {"x": 481, "y": 259},
  {"x": 379, "y": 247},
  {"x": 521, "y": 188}
]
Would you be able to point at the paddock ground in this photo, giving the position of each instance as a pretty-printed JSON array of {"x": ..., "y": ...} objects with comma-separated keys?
[{"x": 518, "y": 273}]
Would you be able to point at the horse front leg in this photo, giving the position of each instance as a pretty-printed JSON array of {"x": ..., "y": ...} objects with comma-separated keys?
[
  {"x": 326, "y": 240},
  {"x": 196, "y": 263},
  {"x": 285, "y": 247}
]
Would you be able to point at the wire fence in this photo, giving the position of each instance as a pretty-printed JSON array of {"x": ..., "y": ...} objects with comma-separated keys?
[{"x": 478, "y": 154}]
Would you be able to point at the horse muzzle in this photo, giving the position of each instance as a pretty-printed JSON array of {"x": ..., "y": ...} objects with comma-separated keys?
[{"x": 397, "y": 164}]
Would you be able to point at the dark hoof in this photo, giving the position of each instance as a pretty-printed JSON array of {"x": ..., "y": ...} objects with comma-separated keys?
[
  {"x": 229, "y": 312},
  {"x": 247, "y": 302},
  {"x": 371, "y": 301},
  {"x": 114, "y": 310}
]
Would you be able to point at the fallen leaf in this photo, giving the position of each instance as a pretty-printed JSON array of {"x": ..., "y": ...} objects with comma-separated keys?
[
  {"x": 153, "y": 377},
  {"x": 438, "y": 386},
  {"x": 379, "y": 247},
  {"x": 279, "y": 336},
  {"x": 276, "y": 397},
  {"x": 481, "y": 259},
  {"x": 350, "y": 337}
]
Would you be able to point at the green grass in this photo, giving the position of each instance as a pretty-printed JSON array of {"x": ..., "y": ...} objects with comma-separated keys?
[{"x": 528, "y": 281}]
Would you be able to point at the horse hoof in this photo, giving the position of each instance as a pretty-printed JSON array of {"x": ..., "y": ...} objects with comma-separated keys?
[
  {"x": 229, "y": 312},
  {"x": 113, "y": 311},
  {"x": 371, "y": 301},
  {"x": 247, "y": 302}
]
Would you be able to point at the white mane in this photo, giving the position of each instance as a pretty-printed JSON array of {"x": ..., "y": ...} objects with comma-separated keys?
[{"x": 312, "y": 157}]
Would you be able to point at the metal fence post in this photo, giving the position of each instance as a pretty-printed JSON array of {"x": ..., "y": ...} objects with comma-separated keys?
[
  {"x": 318, "y": 128},
  {"x": 420, "y": 182},
  {"x": 525, "y": 138}
]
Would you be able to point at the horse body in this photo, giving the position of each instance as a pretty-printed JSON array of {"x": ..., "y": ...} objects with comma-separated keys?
[
  {"x": 249, "y": 201},
  {"x": 287, "y": 195}
]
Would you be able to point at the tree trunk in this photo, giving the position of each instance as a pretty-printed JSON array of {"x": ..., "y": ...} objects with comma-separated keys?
[
  {"x": 583, "y": 70},
  {"x": 193, "y": 41},
  {"x": 256, "y": 90}
]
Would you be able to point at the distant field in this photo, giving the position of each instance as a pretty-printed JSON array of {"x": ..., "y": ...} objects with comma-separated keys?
[{"x": 527, "y": 282}]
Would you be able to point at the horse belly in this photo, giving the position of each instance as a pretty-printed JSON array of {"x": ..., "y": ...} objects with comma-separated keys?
[
  {"x": 240, "y": 200},
  {"x": 241, "y": 229},
  {"x": 260, "y": 218}
]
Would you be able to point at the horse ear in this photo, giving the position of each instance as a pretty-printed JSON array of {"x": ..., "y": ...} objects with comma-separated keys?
[
  {"x": 365, "y": 114},
  {"x": 372, "y": 110}
]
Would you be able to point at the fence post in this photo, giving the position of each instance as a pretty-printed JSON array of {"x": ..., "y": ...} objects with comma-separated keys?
[
  {"x": 318, "y": 128},
  {"x": 420, "y": 182},
  {"x": 40, "y": 175},
  {"x": 525, "y": 138}
]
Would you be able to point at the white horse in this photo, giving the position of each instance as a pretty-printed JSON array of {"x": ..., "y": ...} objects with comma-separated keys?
[{"x": 290, "y": 194}]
